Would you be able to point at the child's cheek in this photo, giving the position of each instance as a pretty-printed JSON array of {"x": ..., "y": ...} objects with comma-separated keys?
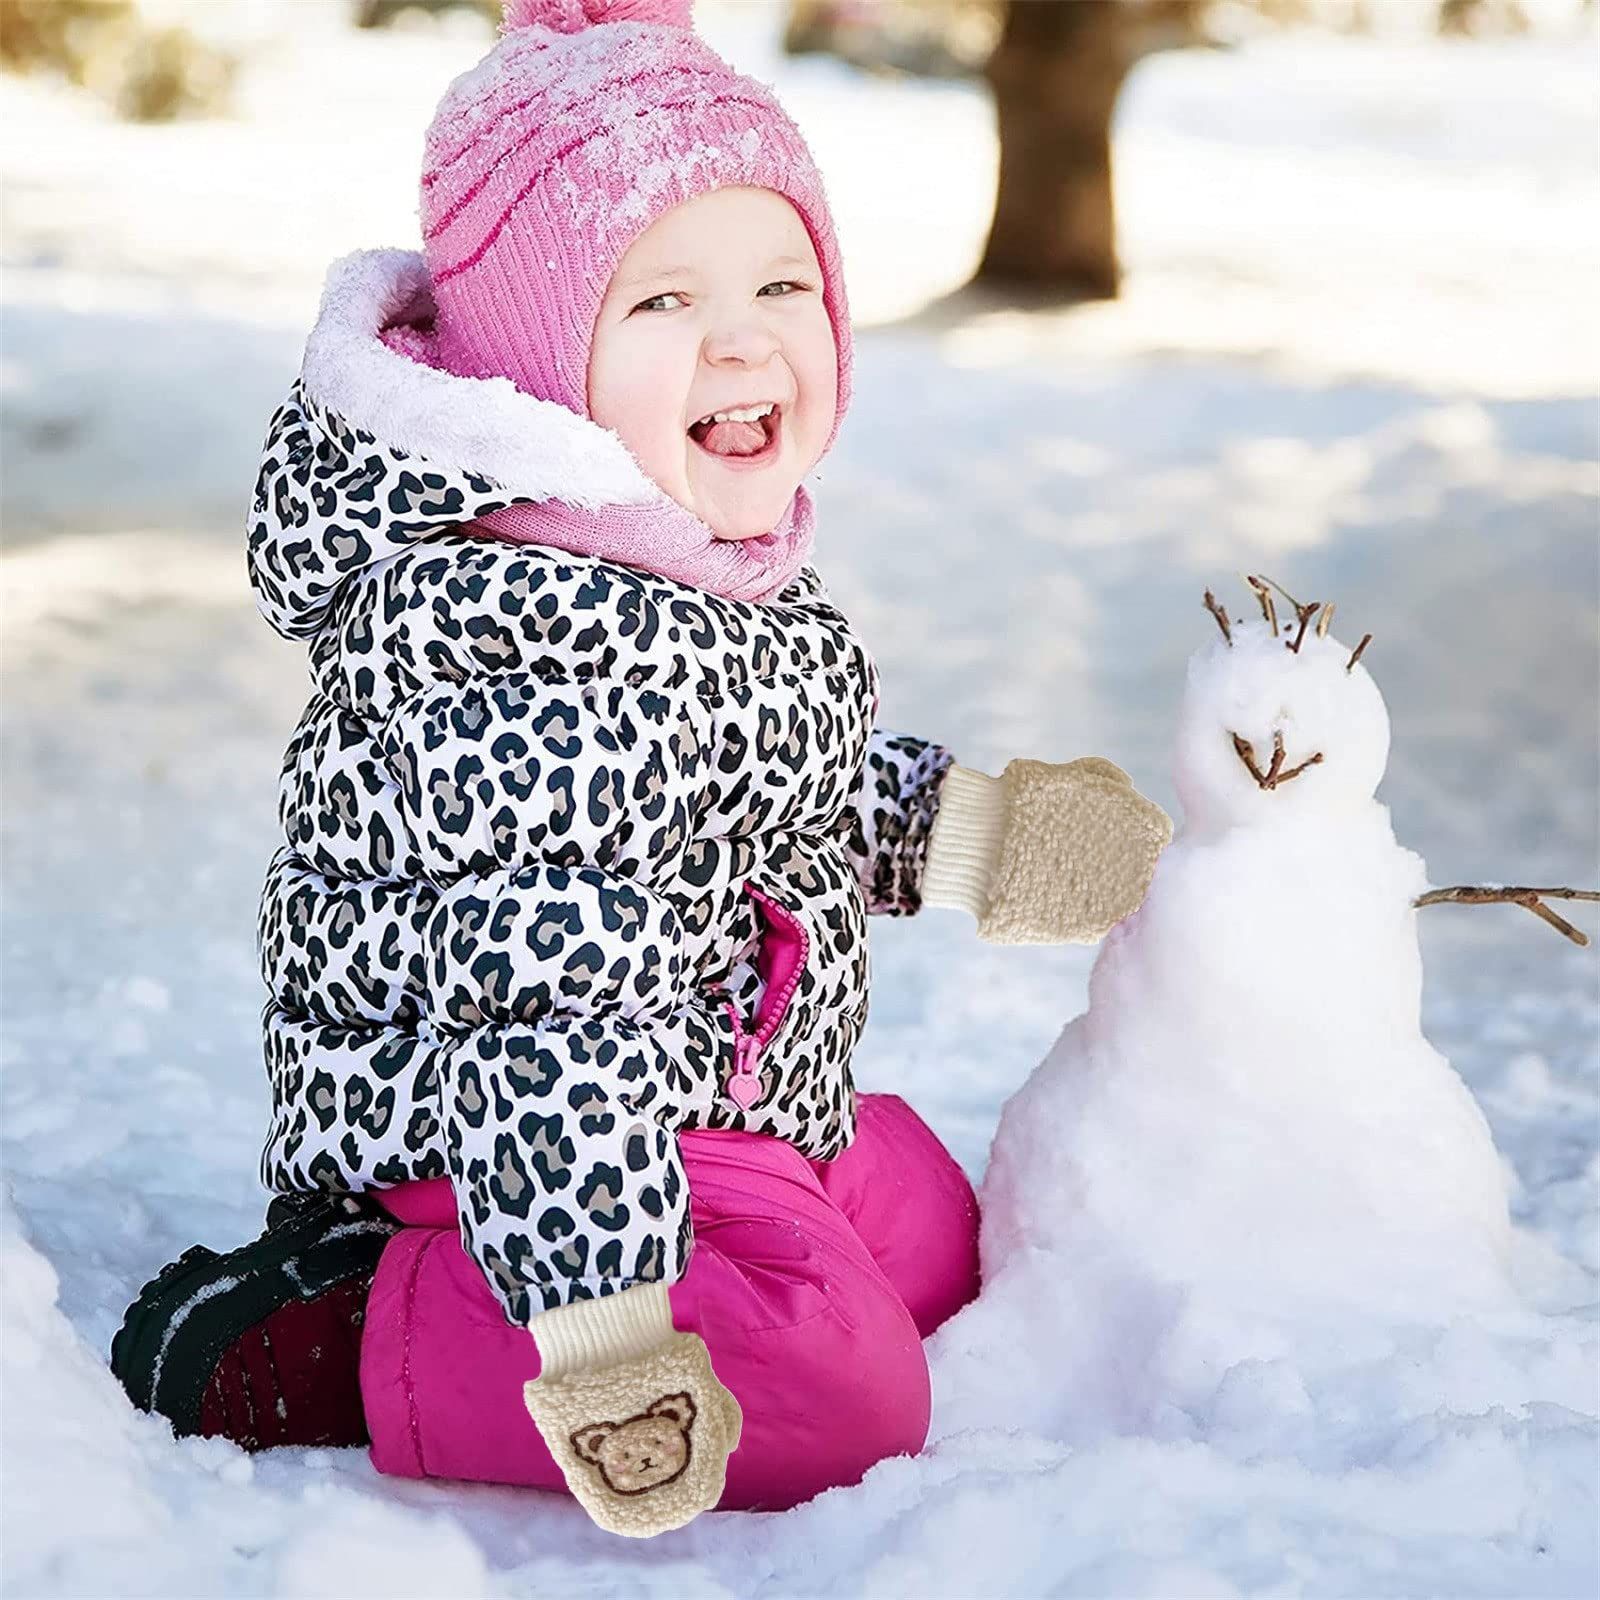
[{"x": 645, "y": 418}]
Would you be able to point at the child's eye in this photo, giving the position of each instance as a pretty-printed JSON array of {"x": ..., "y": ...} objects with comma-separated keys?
[{"x": 653, "y": 303}]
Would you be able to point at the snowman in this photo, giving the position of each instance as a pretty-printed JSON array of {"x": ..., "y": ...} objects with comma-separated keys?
[{"x": 1244, "y": 1149}]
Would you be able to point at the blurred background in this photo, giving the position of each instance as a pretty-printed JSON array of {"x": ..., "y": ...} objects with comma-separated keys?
[{"x": 1149, "y": 294}]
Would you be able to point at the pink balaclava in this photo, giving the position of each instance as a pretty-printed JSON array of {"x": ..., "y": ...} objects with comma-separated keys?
[{"x": 587, "y": 121}]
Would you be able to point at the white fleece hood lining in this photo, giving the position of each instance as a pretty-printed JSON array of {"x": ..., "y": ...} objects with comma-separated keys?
[{"x": 532, "y": 449}]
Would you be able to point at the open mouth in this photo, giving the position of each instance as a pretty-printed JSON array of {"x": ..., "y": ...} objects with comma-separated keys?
[{"x": 744, "y": 435}]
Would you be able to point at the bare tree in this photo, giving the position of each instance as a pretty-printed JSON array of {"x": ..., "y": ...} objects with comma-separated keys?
[
  {"x": 1056, "y": 73},
  {"x": 1467, "y": 18}
]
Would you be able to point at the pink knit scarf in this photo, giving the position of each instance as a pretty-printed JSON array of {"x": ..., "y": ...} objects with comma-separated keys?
[{"x": 668, "y": 540}]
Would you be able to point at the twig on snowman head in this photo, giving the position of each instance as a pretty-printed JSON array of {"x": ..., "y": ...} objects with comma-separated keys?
[
  {"x": 1324, "y": 620},
  {"x": 1530, "y": 899},
  {"x": 1269, "y": 612},
  {"x": 1355, "y": 655},
  {"x": 1281, "y": 590},
  {"x": 1304, "y": 615},
  {"x": 1220, "y": 615},
  {"x": 1275, "y": 773}
]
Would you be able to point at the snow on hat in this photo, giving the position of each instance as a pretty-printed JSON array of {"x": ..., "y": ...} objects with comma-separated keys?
[{"x": 585, "y": 122}]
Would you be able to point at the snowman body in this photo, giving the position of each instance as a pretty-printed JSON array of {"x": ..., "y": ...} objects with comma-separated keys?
[{"x": 1245, "y": 1146}]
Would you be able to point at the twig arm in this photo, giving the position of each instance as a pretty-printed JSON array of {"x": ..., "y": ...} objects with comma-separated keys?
[{"x": 1529, "y": 898}]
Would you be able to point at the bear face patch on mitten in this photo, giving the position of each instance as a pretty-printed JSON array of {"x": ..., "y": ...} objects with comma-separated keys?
[
  {"x": 643, "y": 1440},
  {"x": 641, "y": 1452}
]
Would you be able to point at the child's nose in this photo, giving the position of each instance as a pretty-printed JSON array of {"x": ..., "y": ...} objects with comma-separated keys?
[{"x": 747, "y": 340}]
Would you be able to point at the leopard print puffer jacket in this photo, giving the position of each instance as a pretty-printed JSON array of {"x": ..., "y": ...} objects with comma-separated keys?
[{"x": 574, "y": 857}]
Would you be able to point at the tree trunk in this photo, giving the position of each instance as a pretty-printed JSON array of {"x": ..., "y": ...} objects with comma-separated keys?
[
  {"x": 1056, "y": 73},
  {"x": 807, "y": 28}
]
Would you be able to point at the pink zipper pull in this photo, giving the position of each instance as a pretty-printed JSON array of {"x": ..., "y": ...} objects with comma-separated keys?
[{"x": 743, "y": 1084}]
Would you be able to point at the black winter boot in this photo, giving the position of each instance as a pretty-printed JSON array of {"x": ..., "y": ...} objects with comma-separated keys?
[{"x": 261, "y": 1345}]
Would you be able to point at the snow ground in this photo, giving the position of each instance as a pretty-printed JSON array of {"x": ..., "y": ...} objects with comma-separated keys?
[{"x": 1358, "y": 350}]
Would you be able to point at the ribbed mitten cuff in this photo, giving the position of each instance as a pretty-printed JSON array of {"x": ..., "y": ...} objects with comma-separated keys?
[
  {"x": 589, "y": 1334},
  {"x": 964, "y": 843}
]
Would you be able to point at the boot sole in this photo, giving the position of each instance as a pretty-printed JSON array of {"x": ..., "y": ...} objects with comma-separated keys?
[
  {"x": 295, "y": 1378},
  {"x": 198, "y": 1307}
]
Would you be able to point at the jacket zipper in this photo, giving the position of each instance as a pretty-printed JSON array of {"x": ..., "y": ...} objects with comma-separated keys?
[{"x": 781, "y": 959}]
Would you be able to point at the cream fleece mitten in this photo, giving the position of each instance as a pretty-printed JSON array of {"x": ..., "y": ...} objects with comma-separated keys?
[
  {"x": 1047, "y": 853},
  {"x": 631, "y": 1410}
]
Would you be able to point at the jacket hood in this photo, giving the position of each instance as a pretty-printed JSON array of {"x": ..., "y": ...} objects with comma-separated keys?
[
  {"x": 533, "y": 449},
  {"x": 376, "y": 448}
]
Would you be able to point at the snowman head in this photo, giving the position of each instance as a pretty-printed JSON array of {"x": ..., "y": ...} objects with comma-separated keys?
[{"x": 1279, "y": 722}]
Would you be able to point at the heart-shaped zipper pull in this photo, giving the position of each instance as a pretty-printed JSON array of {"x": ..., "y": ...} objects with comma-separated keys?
[
  {"x": 743, "y": 1084},
  {"x": 744, "y": 1089}
]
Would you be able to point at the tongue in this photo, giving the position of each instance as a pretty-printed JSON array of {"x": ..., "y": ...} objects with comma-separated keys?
[{"x": 733, "y": 438}]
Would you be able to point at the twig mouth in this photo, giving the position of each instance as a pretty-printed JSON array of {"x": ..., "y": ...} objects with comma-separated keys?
[{"x": 1276, "y": 772}]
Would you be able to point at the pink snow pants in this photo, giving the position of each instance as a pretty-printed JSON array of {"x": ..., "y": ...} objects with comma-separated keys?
[{"x": 812, "y": 1283}]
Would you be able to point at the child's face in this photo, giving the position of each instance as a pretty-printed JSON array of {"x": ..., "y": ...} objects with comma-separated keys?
[{"x": 718, "y": 305}]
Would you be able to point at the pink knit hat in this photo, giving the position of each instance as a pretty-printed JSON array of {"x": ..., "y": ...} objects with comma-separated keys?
[{"x": 587, "y": 121}]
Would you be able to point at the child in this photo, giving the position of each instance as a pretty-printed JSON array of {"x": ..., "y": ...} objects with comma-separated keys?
[{"x": 567, "y": 943}]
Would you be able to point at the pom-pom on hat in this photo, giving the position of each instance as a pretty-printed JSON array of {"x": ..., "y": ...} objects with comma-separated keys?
[
  {"x": 587, "y": 121},
  {"x": 573, "y": 16}
]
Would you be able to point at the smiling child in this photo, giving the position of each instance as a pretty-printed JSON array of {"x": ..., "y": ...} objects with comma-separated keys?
[{"x": 566, "y": 940}]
